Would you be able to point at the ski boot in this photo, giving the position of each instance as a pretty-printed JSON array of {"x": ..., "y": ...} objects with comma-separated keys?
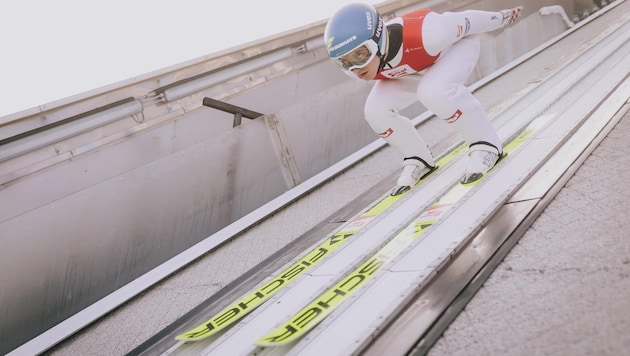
[
  {"x": 481, "y": 158},
  {"x": 414, "y": 169}
]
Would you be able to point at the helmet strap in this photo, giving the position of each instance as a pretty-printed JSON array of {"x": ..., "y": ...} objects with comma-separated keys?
[
  {"x": 383, "y": 55},
  {"x": 382, "y": 65}
]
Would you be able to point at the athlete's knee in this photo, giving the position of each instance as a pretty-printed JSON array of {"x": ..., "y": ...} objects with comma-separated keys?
[
  {"x": 377, "y": 115},
  {"x": 436, "y": 92}
]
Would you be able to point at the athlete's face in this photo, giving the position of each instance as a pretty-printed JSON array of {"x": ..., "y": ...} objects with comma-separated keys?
[{"x": 369, "y": 71}]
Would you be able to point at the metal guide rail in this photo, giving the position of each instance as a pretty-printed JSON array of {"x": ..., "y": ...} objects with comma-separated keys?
[{"x": 414, "y": 246}]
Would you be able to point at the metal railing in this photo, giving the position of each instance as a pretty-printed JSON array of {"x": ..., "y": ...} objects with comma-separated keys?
[{"x": 238, "y": 111}]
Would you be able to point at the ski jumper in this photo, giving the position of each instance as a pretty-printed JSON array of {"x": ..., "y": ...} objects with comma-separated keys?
[{"x": 445, "y": 48}]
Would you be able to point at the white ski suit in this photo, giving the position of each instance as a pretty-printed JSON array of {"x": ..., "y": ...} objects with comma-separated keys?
[{"x": 445, "y": 48}]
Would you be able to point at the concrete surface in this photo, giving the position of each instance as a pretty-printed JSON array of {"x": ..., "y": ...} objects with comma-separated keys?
[{"x": 564, "y": 289}]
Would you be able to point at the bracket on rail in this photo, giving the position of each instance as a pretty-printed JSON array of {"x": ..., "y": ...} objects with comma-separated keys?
[{"x": 238, "y": 111}]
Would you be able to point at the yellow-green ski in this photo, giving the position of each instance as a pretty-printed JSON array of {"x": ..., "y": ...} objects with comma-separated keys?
[
  {"x": 307, "y": 318},
  {"x": 249, "y": 302}
]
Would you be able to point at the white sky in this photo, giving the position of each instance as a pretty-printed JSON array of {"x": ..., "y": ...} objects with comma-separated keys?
[{"x": 53, "y": 49}]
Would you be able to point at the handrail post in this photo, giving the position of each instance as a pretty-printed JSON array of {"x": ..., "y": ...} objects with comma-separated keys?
[
  {"x": 237, "y": 119},
  {"x": 238, "y": 111}
]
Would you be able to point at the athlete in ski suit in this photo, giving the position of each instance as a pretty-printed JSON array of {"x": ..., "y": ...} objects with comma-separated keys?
[{"x": 445, "y": 48}]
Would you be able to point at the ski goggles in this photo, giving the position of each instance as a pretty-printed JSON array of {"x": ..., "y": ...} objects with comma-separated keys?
[{"x": 358, "y": 57}]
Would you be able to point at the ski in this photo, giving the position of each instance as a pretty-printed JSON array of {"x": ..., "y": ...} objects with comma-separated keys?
[
  {"x": 303, "y": 321},
  {"x": 262, "y": 293}
]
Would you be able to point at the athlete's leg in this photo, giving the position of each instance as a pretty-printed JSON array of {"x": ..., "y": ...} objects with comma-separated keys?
[
  {"x": 442, "y": 91},
  {"x": 382, "y": 109}
]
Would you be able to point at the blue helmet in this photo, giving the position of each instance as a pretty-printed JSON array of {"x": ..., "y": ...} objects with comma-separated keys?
[{"x": 352, "y": 27}]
